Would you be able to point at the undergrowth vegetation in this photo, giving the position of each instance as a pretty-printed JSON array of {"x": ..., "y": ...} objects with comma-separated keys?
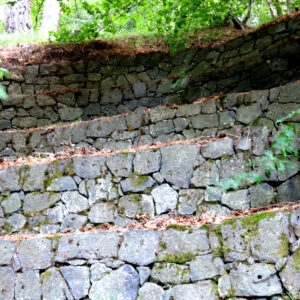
[{"x": 282, "y": 156}]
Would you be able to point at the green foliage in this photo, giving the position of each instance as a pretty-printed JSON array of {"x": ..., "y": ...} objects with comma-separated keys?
[
  {"x": 282, "y": 156},
  {"x": 6, "y": 74}
]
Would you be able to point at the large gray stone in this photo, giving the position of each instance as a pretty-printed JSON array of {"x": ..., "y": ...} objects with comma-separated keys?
[
  {"x": 139, "y": 89},
  {"x": 236, "y": 200},
  {"x": 204, "y": 267},
  {"x": 104, "y": 127},
  {"x": 7, "y": 278},
  {"x": 33, "y": 177},
  {"x": 146, "y": 162},
  {"x": 257, "y": 280},
  {"x": 170, "y": 273},
  {"x": 218, "y": 149},
  {"x": 178, "y": 163},
  {"x": 10, "y": 179},
  {"x": 135, "y": 204},
  {"x": 270, "y": 242},
  {"x": 70, "y": 113},
  {"x": 98, "y": 270},
  {"x": 139, "y": 247},
  {"x": 87, "y": 246},
  {"x": 290, "y": 93},
  {"x": 28, "y": 285},
  {"x": 165, "y": 198},
  {"x": 161, "y": 113},
  {"x": 161, "y": 127},
  {"x": 189, "y": 200},
  {"x": 73, "y": 222},
  {"x": 289, "y": 191},
  {"x": 120, "y": 164},
  {"x": 205, "y": 175},
  {"x": 17, "y": 222},
  {"x": 151, "y": 291},
  {"x": 103, "y": 212},
  {"x": 74, "y": 202},
  {"x": 12, "y": 203},
  {"x": 7, "y": 251},
  {"x": 249, "y": 113},
  {"x": 137, "y": 183},
  {"x": 177, "y": 243},
  {"x": 290, "y": 275},
  {"x": 78, "y": 279},
  {"x": 121, "y": 284},
  {"x": 35, "y": 253},
  {"x": 101, "y": 189},
  {"x": 277, "y": 111},
  {"x": 205, "y": 121},
  {"x": 54, "y": 286},
  {"x": 261, "y": 195},
  {"x": 224, "y": 286},
  {"x": 61, "y": 184},
  {"x": 88, "y": 167},
  {"x": 234, "y": 242},
  {"x": 231, "y": 166},
  {"x": 35, "y": 202},
  {"x": 202, "y": 290}
]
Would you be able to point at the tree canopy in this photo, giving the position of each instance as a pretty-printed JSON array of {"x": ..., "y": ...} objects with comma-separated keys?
[{"x": 91, "y": 19}]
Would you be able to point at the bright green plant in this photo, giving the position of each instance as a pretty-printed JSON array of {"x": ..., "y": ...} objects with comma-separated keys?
[
  {"x": 282, "y": 156},
  {"x": 3, "y": 73}
]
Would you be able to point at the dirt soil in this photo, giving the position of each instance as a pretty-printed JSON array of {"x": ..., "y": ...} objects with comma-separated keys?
[{"x": 21, "y": 55}]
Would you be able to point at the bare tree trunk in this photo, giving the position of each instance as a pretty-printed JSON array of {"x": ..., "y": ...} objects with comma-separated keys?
[
  {"x": 289, "y": 5},
  {"x": 51, "y": 16},
  {"x": 17, "y": 17},
  {"x": 249, "y": 12},
  {"x": 278, "y": 7},
  {"x": 270, "y": 8}
]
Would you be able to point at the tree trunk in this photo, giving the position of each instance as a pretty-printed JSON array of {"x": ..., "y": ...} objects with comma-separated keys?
[
  {"x": 278, "y": 8},
  {"x": 270, "y": 8},
  {"x": 51, "y": 16},
  {"x": 17, "y": 17},
  {"x": 249, "y": 12}
]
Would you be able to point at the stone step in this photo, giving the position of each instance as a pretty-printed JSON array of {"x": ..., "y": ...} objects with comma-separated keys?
[
  {"x": 51, "y": 93},
  {"x": 124, "y": 187},
  {"x": 253, "y": 113},
  {"x": 251, "y": 257}
]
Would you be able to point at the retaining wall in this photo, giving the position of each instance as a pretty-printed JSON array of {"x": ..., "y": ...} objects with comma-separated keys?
[
  {"x": 120, "y": 188},
  {"x": 64, "y": 92},
  {"x": 250, "y": 114},
  {"x": 250, "y": 258}
]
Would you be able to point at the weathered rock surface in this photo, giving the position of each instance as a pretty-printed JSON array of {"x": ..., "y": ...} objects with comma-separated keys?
[{"x": 121, "y": 284}]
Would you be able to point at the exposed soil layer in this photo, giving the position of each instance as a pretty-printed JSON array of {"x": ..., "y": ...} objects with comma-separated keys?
[{"x": 33, "y": 54}]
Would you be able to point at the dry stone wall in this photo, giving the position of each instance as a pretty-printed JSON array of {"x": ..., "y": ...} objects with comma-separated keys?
[
  {"x": 64, "y": 92},
  {"x": 256, "y": 257},
  {"x": 251, "y": 117},
  {"x": 120, "y": 188}
]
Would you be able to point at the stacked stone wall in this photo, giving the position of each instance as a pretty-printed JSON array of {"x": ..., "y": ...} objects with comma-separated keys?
[
  {"x": 252, "y": 115},
  {"x": 64, "y": 92},
  {"x": 250, "y": 258},
  {"x": 119, "y": 188}
]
